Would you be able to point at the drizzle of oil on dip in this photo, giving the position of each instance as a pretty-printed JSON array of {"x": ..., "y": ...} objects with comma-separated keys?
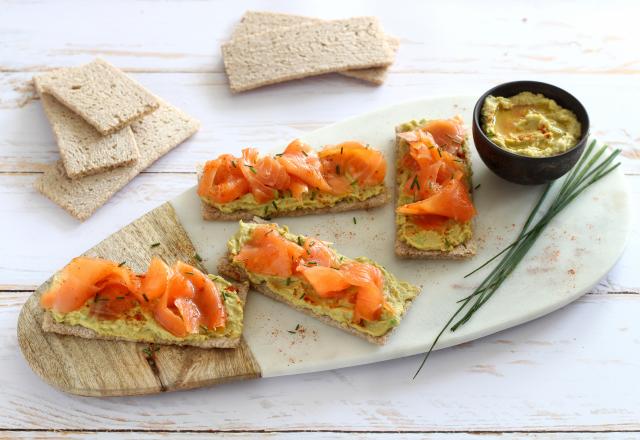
[{"x": 530, "y": 124}]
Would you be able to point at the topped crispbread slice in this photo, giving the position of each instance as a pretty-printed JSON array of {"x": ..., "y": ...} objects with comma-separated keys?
[
  {"x": 84, "y": 151},
  {"x": 142, "y": 331},
  {"x": 339, "y": 308},
  {"x": 101, "y": 94},
  {"x": 305, "y": 50},
  {"x": 255, "y": 22},
  {"x": 404, "y": 249}
]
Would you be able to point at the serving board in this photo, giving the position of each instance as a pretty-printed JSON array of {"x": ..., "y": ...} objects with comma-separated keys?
[{"x": 576, "y": 250}]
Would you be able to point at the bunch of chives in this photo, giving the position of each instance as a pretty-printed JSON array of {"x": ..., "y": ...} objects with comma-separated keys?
[{"x": 589, "y": 169}]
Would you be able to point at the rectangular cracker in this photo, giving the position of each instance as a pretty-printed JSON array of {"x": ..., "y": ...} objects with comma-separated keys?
[
  {"x": 51, "y": 326},
  {"x": 155, "y": 135},
  {"x": 83, "y": 149},
  {"x": 255, "y": 22},
  {"x": 404, "y": 250},
  {"x": 305, "y": 50},
  {"x": 101, "y": 94}
]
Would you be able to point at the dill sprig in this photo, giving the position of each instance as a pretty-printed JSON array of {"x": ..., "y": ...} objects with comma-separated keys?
[{"x": 589, "y": 169}]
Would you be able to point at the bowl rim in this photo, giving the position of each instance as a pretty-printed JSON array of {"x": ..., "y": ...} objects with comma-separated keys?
[{"x": 480, "y": 102}]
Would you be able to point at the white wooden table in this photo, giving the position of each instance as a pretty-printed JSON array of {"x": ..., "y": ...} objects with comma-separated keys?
[{"x": 575, "y": 372}]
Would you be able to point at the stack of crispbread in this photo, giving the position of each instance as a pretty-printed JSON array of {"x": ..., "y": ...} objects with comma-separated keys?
[
  {"x": 108, "y": 128},
  {"x": 268, "y": 48}
]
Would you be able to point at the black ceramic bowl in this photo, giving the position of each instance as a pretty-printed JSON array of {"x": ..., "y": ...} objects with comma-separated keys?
[{"x": 523, "y": 169}]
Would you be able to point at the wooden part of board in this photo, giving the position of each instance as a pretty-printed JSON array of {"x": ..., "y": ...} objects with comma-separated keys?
[{"x": 112, "y": 368}]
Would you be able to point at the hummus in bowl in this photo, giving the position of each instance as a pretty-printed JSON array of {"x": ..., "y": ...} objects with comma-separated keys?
[{"x": 530, "y": 124}]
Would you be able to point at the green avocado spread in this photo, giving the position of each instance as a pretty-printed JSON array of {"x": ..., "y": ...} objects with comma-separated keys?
[
  {"x": 286, "y": 202},
  {"x": 444, "y": 238},
  {"x": 530, "y": 124},
  {"x": 295, "y": 289},
  {"x": 138, "y": 323}
]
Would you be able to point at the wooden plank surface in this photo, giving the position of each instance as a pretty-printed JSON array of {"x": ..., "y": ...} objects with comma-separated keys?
[
  {"x": 91, "y": 367},
  {"x": 575, "y": 370}
]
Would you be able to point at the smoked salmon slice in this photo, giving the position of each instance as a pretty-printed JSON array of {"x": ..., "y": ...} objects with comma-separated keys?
[
  {"x": 451, "y": 201},
  {"x": 302, "y": 162},
  {"x": 351, "y": 162},
  {"x": 268, "y": 253},
  {"x": 82, "y": 279},
  {"x": 222, "y": 180}
]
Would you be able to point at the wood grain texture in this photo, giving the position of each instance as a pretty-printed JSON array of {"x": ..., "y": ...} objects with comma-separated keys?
[{"x": 107, "y": 368}]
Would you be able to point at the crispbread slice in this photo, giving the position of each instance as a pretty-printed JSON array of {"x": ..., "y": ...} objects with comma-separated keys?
[
  {"x": 255, "y": 22},
  {"x": 305, "y": 50},
  {"x": 229, "y": 270},
  {"x": 155, "y": 135},
  {"x": 211, "y": 213},
  {"x": 83, "y": 149},
  {"x": 460, "y": 252},
  {"x": 101, "y": 94},
  {"x": 50, "y": 325}
]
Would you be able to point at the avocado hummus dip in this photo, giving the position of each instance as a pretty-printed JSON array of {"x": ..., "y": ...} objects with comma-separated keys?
[
  {"x": 306, "y": 273},
  {"x": 530, "y": 124}
]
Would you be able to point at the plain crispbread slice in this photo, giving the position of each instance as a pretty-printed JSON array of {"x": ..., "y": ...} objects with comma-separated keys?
[
  {"x": 101, "y": 94},
  {"x": 211, "y": 213},
  {"x": 229, "y": 270},
  {"x": 305, "y": 50},
  {"x": 50, "y": 325},
  {"x": 404, "y": 250},
  {"x": 255, "y": 22},
  {"x": 156, "y": 134},
  {"x": 83, "y": 149}
]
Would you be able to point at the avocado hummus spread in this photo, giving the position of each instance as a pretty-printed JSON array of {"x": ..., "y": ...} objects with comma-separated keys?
[
  {"x": 138, "y": 323},
  {"x": 443, "y": 238},
  {"x": 299, "y": 292},
  {"x": 286, "y": 202},
  {"x": 530, "y": 124}
]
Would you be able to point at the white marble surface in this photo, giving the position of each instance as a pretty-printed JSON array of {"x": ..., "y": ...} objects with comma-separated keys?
[{"x": 572, "y": 373}]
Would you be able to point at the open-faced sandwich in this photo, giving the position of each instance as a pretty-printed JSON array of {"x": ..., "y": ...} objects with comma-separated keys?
[
  {"x": 298, "y": 181},
  {"x": 356, "y": 295},
  {"x": 434, "y": 210},
  {"x": 101, "y": 299}
]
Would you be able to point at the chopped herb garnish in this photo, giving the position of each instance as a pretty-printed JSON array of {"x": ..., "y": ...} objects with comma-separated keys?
[
  {"x": 268, "y": 232},
  {"x": 155, "y": 245},
  {"x": 122, "y": 264},
  {"x": 298, "y": 327},
  {"x": 288, "y": 281},
  {"x": 146, "y": 298},
  {"x": 198, "y": 257},
  {"x": 273, "y": 202},
  {"x": 439, "y": 153},
  {"x": 303, "y": 295},
  {"x": 233, "y": 163},
  {"x": 341, "y": 150},
  {"x": 279, "y": 154},
  {"x": 299, "y": 241},
  {"x": 477, "y": 186},
  {"x": 338, "y": 170},
  {"x": 305, "y": 153},
  {"x": 188, "y": 273},
  {"x": 291, "y": 331},
  {"x": 253, "y": 170},
  {"x": 355, "y": 222},
  {"x": 203, "y": 328},
  {"x": 415, "y": 183},
  {"x": 311, "y": 263},
  {"x": 119, "y": 297},
  {"x": 313, "y": 195},
  {"x": 266, "y": 210},
  {"x": 224, "y": 296}
]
